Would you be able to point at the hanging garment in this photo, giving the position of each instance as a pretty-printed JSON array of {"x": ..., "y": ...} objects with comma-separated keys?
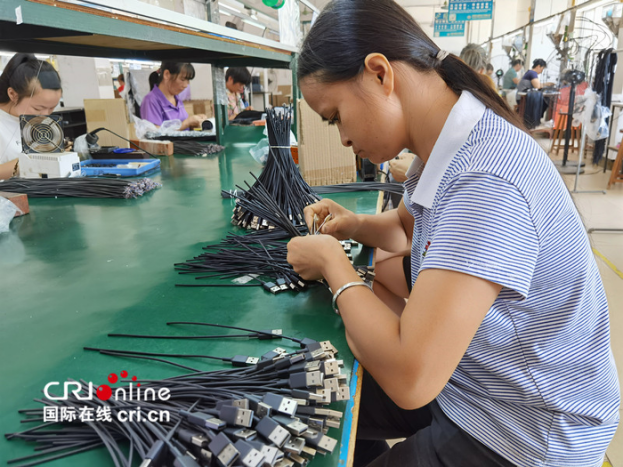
[
  {"x": 534, "y": 109},
  {"x": 603, "y": 84}
]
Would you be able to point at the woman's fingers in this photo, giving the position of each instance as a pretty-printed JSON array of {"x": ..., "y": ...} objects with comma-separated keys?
[{"x": 320, "y": 209}]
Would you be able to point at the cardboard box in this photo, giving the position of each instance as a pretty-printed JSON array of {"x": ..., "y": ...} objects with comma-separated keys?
[
  {"x": 157, "y": 148},
  {"x": 195, "y": 107},
  {"x": 323, "y": 160},
  {"x": 110, "y": 114},
  {"x": 283, "y": 96},
  {"x": 20, "y": 200}
]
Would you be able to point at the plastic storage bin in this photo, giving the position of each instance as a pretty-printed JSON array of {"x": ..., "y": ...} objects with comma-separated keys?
[{"x": 118, "y": 167}]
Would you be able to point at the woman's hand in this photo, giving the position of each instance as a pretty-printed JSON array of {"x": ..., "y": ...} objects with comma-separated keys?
[
  {"x": 399, "y": 166},
  {"x": 343, "y": 224},
  {"x": 310, "y": 255},
  {"x": 193, "y": 122}
]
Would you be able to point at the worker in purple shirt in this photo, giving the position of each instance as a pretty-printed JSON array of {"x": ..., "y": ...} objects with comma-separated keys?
[{"x": 163, "y": 102}]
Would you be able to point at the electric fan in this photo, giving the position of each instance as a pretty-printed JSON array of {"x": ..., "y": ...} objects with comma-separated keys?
[
  {"x": 41, "y": 133},
  {"x": 43, "y": 153}
]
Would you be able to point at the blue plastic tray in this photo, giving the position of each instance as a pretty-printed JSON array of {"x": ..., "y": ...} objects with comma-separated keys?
[{"x": 150, "y": 165}]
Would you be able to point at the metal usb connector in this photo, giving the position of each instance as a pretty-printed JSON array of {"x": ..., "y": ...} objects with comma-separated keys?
[
  {"x": 331, "y": 384},
  {"x": 266, "y": 334},
  {"x": 272, "y": 431},
  {"x": 294, "y": 445},
  {"x": 320, "y": 441},
  {"x": 271, "y": 287},
  {"x": 271, "y": 454},
  {"x": 193, "y": 438},
  {"x": 280, "y": 403},
  {"x": 236, "y": 416},
  {"x": 325, "y": 395},
  {"x": 332, "y": 423},
  {"x": 331, "y": 367},
  {"x": 249, "y": 456},
  {"x": 224, "y": 450},
  {"x": 298, "y": 460},
  {"x": 240, "y": 433},
  {"x": 306, "y": 395},
  {"x": 263, "y": 410},
  {"x": 306, "y": 379},
  {"x": 342, "y": 394},
  {"x": 244, "y": 360},
  {"x": 293, "y": 425}
]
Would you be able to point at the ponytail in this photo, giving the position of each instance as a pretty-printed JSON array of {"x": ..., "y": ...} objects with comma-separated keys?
[
  {"x": 460, "y": 77},
  {"x": 24, "y": 73},
  {"x": 339, "y": 41}
]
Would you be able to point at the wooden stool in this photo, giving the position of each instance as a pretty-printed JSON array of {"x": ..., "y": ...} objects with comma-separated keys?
[
  {"x": 560, "y": 129},
  {"x": 616, "y": 176}
]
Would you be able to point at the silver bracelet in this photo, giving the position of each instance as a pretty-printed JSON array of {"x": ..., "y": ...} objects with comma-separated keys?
[{"x": 343, "y": 288}]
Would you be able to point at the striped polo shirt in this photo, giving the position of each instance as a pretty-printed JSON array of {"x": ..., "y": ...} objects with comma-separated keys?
[{"x": 538, "y": 383}]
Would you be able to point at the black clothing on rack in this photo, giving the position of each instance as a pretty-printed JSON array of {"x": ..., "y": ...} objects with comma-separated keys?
[
  {"x": 534, "y": 109},
  {"x": 602, "y": 85}
]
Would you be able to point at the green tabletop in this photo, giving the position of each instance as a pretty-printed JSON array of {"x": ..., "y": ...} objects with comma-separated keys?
[{"x": 74, "y": 270}]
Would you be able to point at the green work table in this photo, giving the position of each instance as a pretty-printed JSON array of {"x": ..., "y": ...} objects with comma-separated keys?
[{"x": 74, "y": 270}]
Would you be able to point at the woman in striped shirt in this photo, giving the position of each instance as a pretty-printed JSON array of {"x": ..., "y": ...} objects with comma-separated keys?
[{"x": 502, "y": 354}]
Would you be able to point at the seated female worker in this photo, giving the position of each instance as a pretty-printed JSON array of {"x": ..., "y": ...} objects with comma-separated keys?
[
  {"x": 162, "y": 103},
  {"x": 28, "y": 86},
  {"x": 502, "y": 354}
]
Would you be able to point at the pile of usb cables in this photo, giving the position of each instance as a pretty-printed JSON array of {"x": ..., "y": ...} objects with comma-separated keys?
[
  {"x": 79, "y": 187},
  {"x": 280, "y": 181},
  {"x": 258, "y": 259},
  {"x": 259, "y": 262},
  {"x": 264, "y": 411}
]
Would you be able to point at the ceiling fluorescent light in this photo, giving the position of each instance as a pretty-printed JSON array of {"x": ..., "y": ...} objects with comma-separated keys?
[
  {"x": 230, "y": 8},
  {"x": 252, "y": 22}
]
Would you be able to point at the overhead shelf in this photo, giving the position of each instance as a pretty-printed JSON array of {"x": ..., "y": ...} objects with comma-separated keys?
[{"x": 56, "y": 27}]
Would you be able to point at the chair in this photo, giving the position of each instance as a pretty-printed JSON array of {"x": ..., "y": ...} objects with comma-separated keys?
[
  {"x": 616, "y": 176},
  {"x": 560, "y": 129}
]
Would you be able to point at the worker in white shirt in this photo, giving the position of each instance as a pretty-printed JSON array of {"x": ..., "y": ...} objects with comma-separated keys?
[{"x": 28, "y": 86}]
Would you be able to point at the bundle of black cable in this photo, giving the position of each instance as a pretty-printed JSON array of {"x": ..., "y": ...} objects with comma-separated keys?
[
  {"x": 80, "y": 187},
  {"x": 280, "y": 181},
  {"x": 263, "y": 412},
  {"x": 258, "y": 259},
  {"x": 262, "y": 261}
]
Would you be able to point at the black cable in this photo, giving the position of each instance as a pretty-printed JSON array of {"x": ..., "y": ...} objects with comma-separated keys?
[
  {"x": 92, "y": 139},
  {"x": 211, "y": 410},
  {"x": 388, "y": 187},
  {"x": 79, "y": 187},
  {"x": 196, "y": 148},
  {"x": 279, "y": 194},
  {"x": 268, "y": 334}
]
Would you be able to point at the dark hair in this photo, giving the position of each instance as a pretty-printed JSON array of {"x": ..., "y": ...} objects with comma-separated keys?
[
  {"x": 175, "y": 68},
  {"x": 341, "y": 38},
  {"x": 516, "y": 62},
  {"x": 539, "y": 62},
  {"x": 154, "y": 79},
  {"x": 121, "y": 78},
  {"x": 24, "y": 73},
  {"x": 239, "y": 75},
  {"x": 489, "y": 67}
]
